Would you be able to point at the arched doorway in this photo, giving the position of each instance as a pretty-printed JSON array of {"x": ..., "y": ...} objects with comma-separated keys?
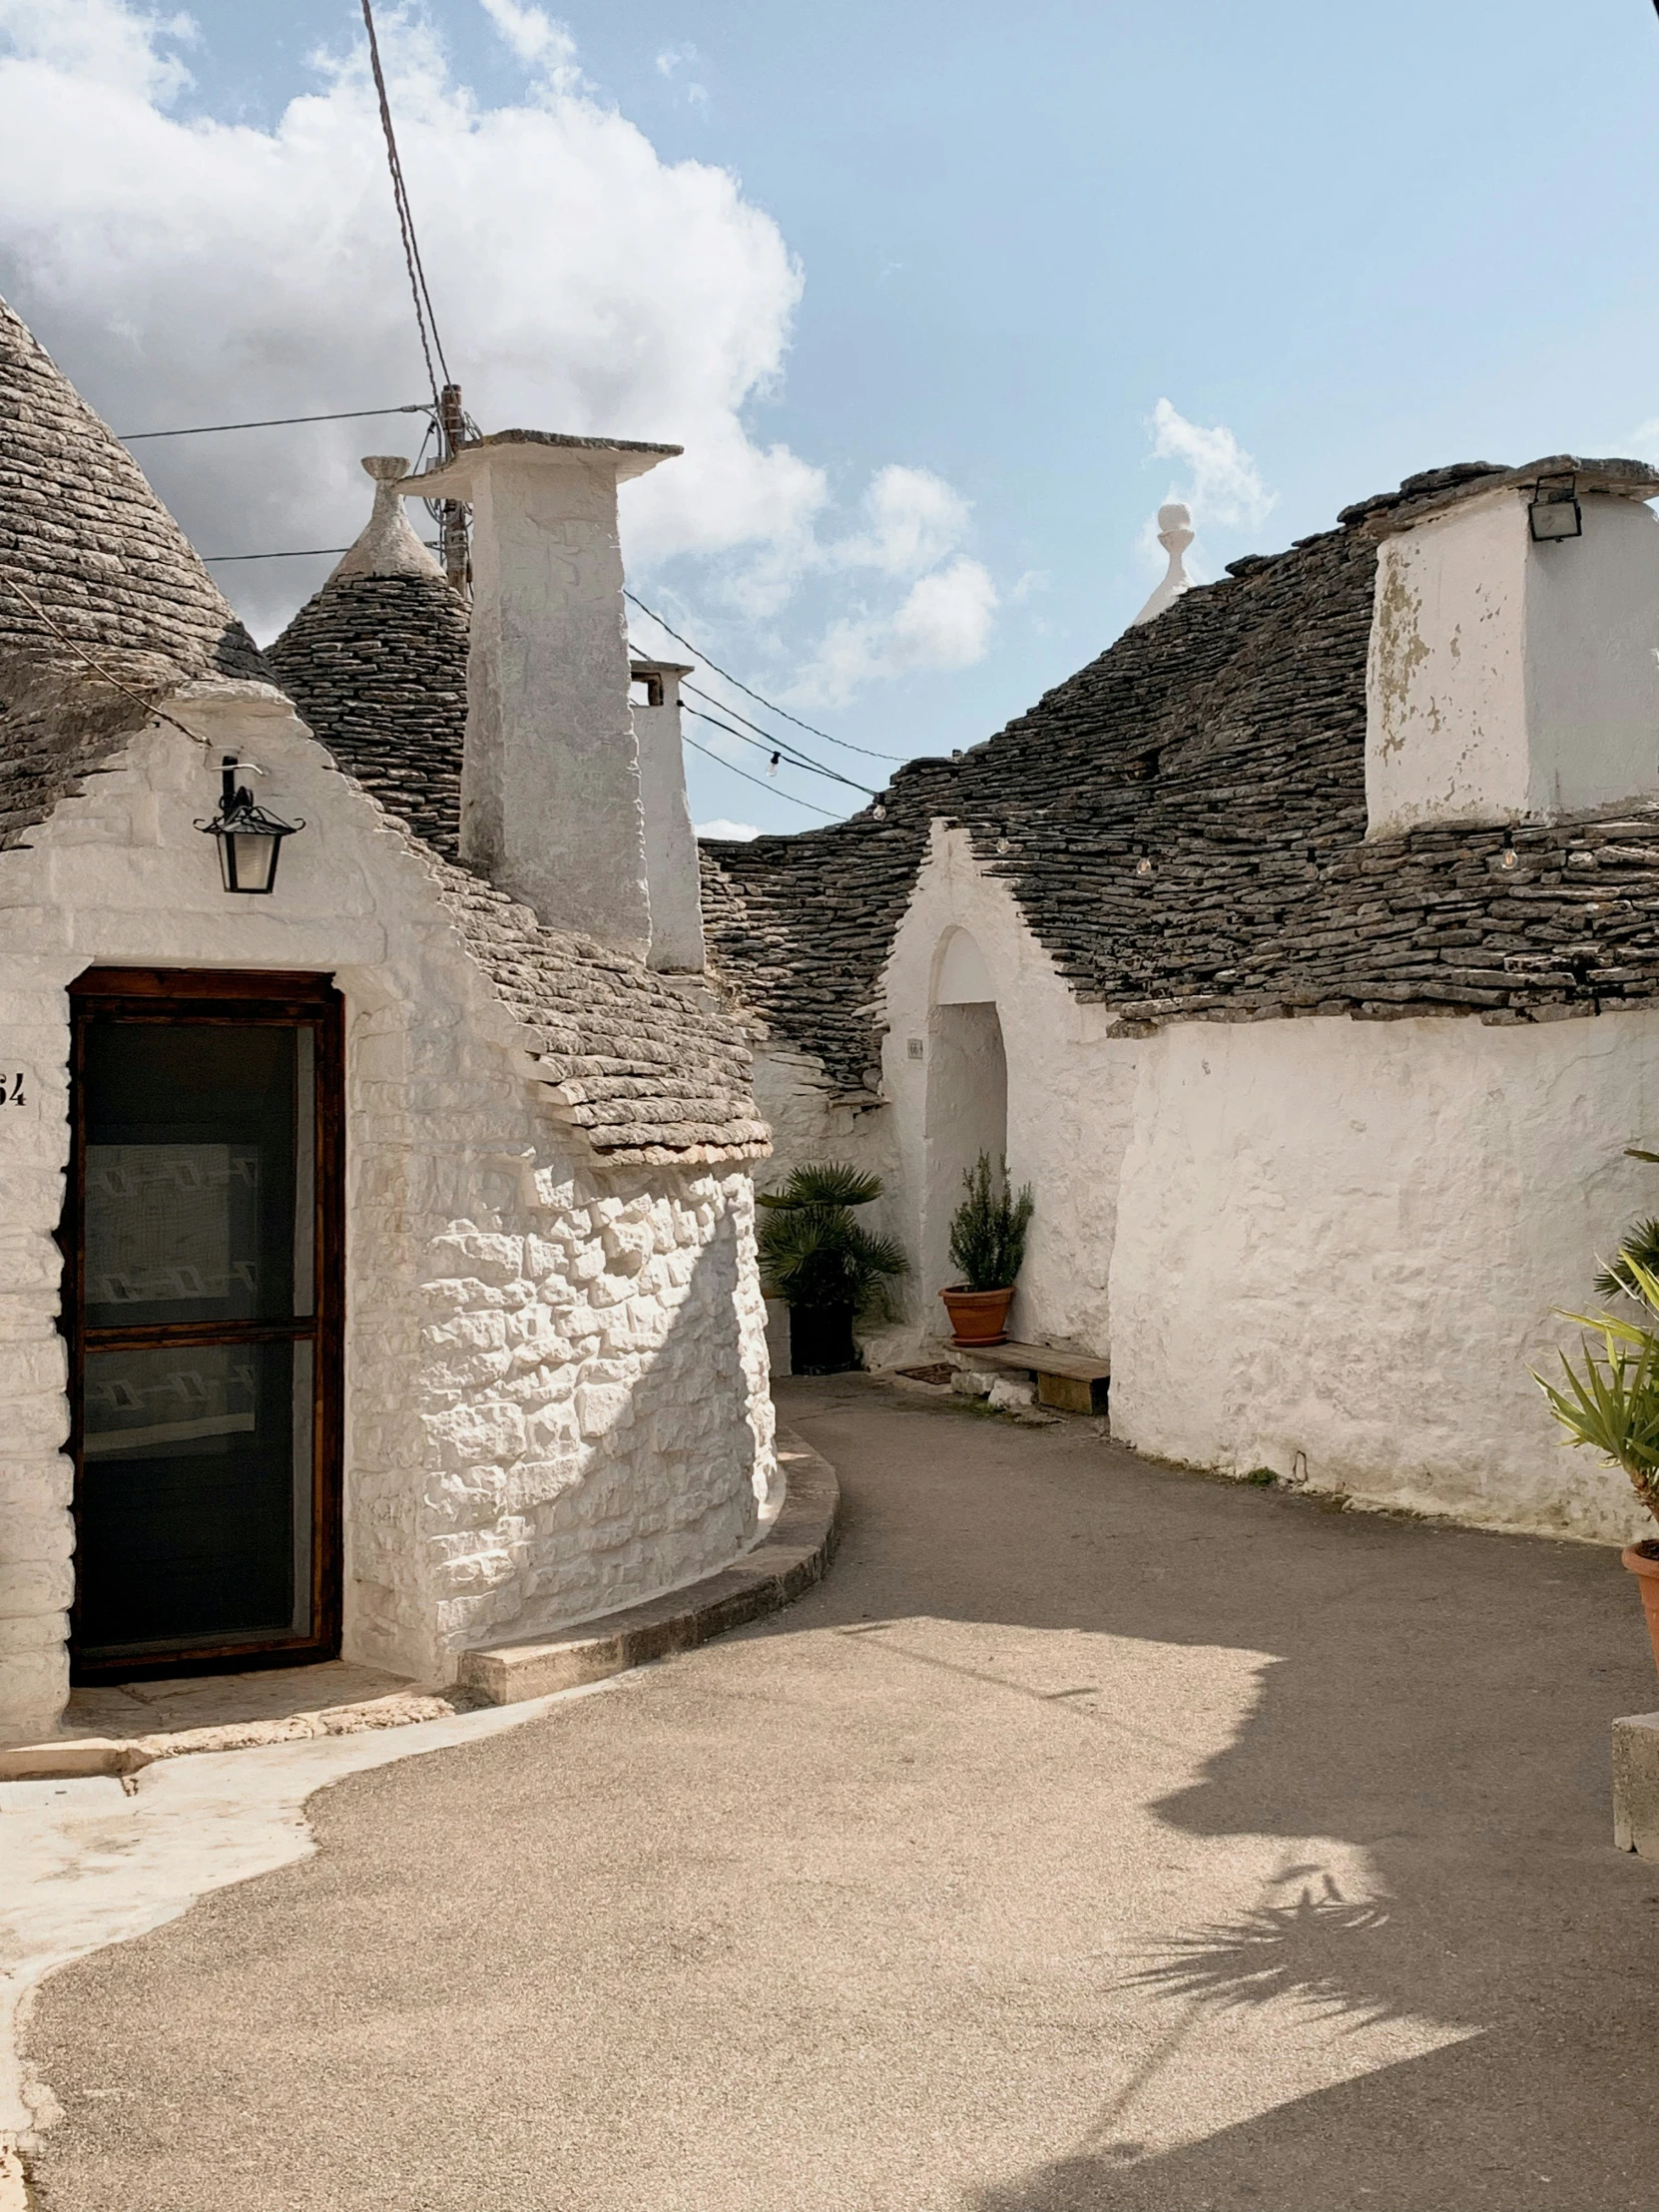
[{"x": 968, "y": 1095}]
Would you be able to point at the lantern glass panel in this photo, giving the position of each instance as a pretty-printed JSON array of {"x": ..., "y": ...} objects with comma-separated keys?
[{"x": 249, "y": 860}]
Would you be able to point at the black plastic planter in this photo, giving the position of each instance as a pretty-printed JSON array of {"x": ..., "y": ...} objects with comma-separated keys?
[{"x": 820, "y": 1340}]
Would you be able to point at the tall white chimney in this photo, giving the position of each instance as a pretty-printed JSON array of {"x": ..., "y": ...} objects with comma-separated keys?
[
  {"x": 670, "y": 841},
  {"x": 551, "y": 805},
  {"x": 1513, "y": 672}
]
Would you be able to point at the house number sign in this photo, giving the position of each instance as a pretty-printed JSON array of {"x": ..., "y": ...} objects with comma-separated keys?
[{"x": 11, "y": 1089}]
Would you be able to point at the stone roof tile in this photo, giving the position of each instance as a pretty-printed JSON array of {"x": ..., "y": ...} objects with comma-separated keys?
[
  {"x": 94, "y": 569},
  {"x": 1182, "y": 824}
]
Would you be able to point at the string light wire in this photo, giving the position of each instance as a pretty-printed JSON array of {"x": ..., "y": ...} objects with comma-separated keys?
[
  {"x": 759, "y": 699},
  {"x": 771, "y": 789}
]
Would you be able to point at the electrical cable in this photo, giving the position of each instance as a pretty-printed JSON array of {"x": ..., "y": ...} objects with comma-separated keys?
[
  {"x": 424, "y": 317},
  {"x": 828, "y": 815},
  {"x": 771, "y": 736},
  {"x": 302, "y": 553},
  {"x": 154, "y": 713},
  {"x": 783, "y": 752},
  {"x": 845, "y": 743},
  {"x": 273, "y": 422}
]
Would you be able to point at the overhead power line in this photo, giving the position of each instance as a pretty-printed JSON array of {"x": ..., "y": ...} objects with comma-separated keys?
[
  {"x": 426, "y": 323},
  {"x": 780, "y": 753},
  {"x": 302, "y": 553},
  {"x": 756, "y": 781},
  {"x": 273, "y": 422},
  {"x": 758, "y": 698}
]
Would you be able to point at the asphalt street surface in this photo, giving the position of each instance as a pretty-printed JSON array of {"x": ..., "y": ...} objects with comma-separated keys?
[{"x": 1096, "y": 1836}]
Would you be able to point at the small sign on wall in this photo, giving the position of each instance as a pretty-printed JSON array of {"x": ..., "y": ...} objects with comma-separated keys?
[
  {"x": 11, "y": 1088},
  {"x": 914, "y": 1047}
]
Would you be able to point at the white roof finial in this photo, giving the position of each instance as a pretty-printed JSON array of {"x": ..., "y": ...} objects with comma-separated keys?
[
  {"x": 1175, "y": 534},
  {"x": 386, "y": 545}
]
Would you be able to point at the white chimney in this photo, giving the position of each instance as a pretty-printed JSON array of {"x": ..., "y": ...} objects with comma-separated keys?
[
  {"x": 1513, "y": 672},
  {"x": 670, "y": 841},
  {"x": 550, "y": 783}
]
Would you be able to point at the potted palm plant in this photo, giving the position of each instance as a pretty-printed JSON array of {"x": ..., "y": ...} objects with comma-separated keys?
[
  {"x": 987, "y": 1245},
  {"x": 827, "y": 1268},
  {"x": 1610, "y": 1402}
]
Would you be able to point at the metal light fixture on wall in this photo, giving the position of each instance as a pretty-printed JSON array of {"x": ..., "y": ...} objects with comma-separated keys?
[
  {"x": 1554, "y": 512},
  {"x": 249, "y": 838}
]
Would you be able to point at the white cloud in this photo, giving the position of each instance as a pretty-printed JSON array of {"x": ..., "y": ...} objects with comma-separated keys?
[
  {"x": 101, "y": 42},
  {"x": 1222, "y": 484},
  {"x": 914, "y": 519},
  {"x": 943, "y": 623},
  {"x": 671, "y": 57},
  {"x": 531, "y": 32},
  {"x": 741, "y": 832},
  {"x": 198, "y": 271}
]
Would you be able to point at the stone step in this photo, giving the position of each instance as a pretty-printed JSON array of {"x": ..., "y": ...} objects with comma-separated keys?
[{"x": 790, "y": 1560}]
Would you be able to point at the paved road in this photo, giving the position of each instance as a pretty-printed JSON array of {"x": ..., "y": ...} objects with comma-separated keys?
[{"x": 1096, "y": 1837}]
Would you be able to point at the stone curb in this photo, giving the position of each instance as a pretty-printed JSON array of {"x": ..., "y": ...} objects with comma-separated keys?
[
  {"x": 789, "y": 1560},
  {"x": 76, "y": 1755}
]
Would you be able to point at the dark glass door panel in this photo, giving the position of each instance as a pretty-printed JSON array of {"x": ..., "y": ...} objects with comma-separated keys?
[
  {"x": 202, "y": 1235},
  {"x": 199, "y": 1197},
  {"x": 195, "y": 1496}
]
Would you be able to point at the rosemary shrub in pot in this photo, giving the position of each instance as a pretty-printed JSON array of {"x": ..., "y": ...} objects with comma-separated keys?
[
  {"x": 987, "y": 1247},
  {"x": 1610, "y": 1402},
  {"x": 828, "y": 1270}
]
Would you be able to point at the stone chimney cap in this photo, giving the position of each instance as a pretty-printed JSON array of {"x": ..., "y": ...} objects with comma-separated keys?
[
  {"x": 644, "y": 665},
  {"x": 633, "y": 456},
  {"x": 1625, "y": 479}
]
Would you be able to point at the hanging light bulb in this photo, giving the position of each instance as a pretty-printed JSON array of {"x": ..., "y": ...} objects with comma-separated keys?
[{"x": 771, "y": 765}]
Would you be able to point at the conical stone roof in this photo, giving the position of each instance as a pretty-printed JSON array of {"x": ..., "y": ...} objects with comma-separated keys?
[
  {"x": 376, "y": 665},
  {"x": 106, "y": 611},
  {"x": 93, "y": 569}
]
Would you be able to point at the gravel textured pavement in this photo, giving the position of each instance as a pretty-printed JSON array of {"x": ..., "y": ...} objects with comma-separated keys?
[{"x": 1096, "y": 1836}]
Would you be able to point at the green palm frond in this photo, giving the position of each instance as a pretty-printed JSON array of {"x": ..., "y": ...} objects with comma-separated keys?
[
  {"x": 812, "y": 1252},
  {"x": 826, "y": 1183},
  {"x": 1641, "y": 1244}
]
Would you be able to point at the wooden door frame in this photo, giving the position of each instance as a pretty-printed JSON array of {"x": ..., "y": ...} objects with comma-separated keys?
[{"x": 229, "y": 995}]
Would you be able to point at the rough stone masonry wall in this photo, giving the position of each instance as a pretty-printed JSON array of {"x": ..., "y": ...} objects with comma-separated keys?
[{"x": 556, "y": 1371}]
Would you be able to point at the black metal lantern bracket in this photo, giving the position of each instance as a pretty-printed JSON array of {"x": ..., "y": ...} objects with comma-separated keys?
[
  {"x": 1554, "y": 512},
  {"x": 250, "y": 838}
]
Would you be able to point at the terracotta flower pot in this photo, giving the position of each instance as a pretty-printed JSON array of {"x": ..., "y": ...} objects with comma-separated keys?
[
  {"x": 981, "y": 1318},
  {"x": 1645, "y": 1566}
]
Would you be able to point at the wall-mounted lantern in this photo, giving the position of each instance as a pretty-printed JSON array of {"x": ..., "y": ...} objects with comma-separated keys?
[
  {"x": 1555, "y": 511},
  {"x": 250, "y": 840}
]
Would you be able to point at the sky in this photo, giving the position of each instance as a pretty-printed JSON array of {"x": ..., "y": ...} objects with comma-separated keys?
[{"x": 942, "y": 297}]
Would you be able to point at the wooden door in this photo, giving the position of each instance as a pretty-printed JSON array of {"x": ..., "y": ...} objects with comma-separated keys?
[{"x": 203, "y": 1306}]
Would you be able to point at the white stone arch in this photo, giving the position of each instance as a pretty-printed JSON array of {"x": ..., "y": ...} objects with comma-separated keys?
[{"x": 965, "y": 1111}]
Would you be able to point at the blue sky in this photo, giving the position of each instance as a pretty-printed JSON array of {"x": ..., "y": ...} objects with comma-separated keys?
[{"x": 979, "y": 246}]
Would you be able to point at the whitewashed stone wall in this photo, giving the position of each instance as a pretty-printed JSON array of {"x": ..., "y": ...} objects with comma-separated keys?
[
  {"x": 1071, "y": 1087},
  {"x": 1327, "y": 1247},
  {"x": 556, "y": 1379},
  {"x": 1341, "y": 1245}
]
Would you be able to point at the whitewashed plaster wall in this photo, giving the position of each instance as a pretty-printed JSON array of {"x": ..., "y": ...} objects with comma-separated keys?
[
  {"x": 1070, "y": 1092},
  {"x": 1071, "y": 1086},
  {"x": 1507, "y": 680},
  {"x": 1341, "y": 1245},
  {"x": 556, "y": 1380}
]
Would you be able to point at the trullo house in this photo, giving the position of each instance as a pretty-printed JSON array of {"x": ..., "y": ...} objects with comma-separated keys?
[
  {"x": 376, "y": 1259},
  {"x": 1302, "y": 952}
]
